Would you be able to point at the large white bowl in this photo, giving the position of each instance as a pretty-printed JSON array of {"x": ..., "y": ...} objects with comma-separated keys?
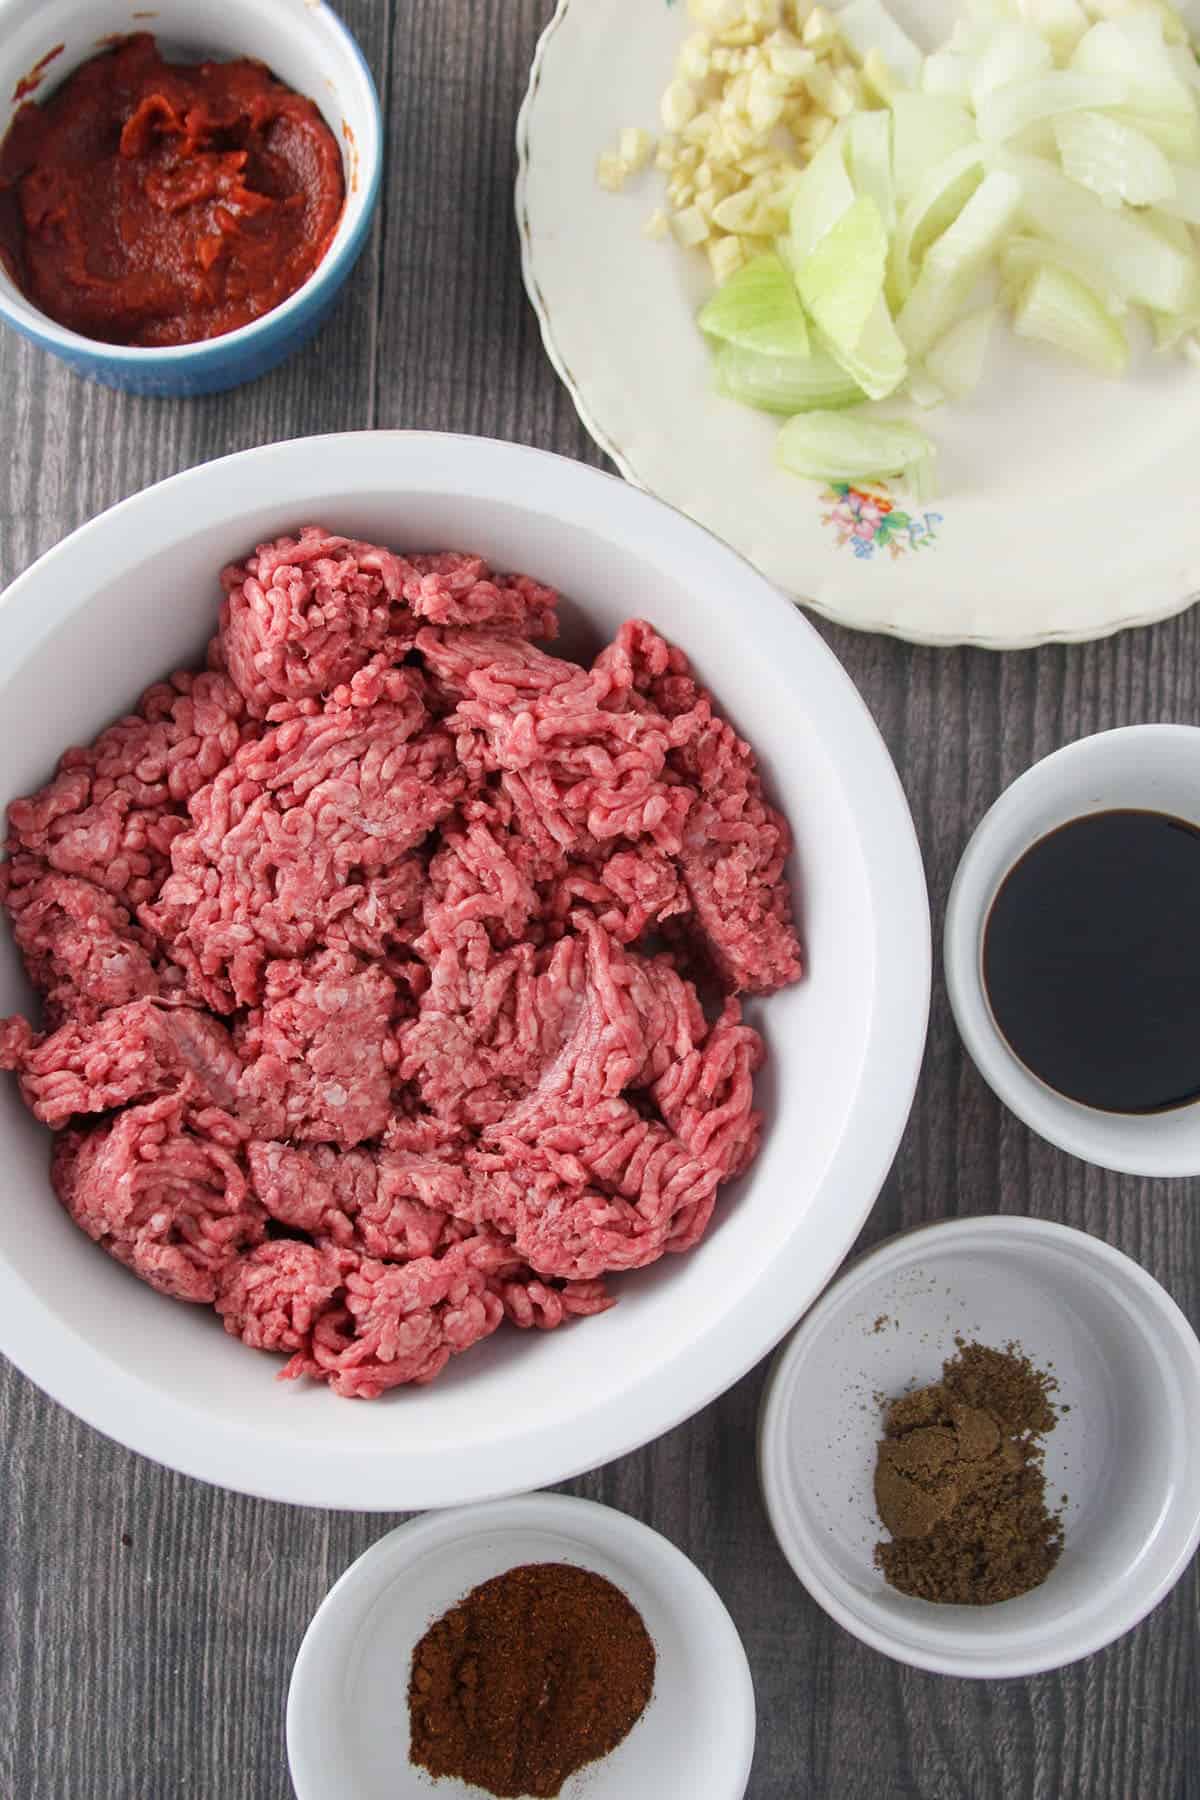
[{"x": 134, "y": 594}]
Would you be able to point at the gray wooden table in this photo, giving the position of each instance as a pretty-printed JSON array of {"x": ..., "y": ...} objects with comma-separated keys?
[{"x": 148, "y": 1622}]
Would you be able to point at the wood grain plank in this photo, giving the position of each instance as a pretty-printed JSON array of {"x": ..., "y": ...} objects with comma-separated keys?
[{"x": 150, "y": 1622}]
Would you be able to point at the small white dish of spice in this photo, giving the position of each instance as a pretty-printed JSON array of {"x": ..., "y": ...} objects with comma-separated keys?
[
  {"x": 536, "y": 1646},
  {"x": 978, "y": 1452}
]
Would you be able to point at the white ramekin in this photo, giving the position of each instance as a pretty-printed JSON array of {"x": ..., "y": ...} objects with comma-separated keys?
[
  {"x": 307, "y": 46},
  {"x": 1126, "y": 1454},
  {"x": 1149, "y": 767}
]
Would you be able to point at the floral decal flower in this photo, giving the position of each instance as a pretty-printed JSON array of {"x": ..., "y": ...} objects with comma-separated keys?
[{"x": 869, "y": 520}]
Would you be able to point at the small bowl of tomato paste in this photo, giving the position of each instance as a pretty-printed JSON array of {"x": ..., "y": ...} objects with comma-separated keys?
[{"x": 179, "y": 209}]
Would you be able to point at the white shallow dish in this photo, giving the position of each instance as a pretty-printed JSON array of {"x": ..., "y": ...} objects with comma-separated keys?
[
  {"x": 347, "y": 1717},
  {"x": 1127, "y": 1454},
  {"x": 135, "y": 594},
  {"x": 1155, "y": 768},
  {"x": 1066, "y": 510}
]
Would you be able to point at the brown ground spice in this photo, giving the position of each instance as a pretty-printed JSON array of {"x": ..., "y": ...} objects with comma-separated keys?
[
  {"x": 960, "y": 1486},
  {"x": 531, "y": 1676}
]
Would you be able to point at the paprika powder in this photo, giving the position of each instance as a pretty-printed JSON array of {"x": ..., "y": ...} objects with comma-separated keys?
[{"x": 531, "y": 1676}]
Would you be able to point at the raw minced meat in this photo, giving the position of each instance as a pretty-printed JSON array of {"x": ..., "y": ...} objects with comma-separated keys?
[
  {"x": 164, "y": 1189},
  {"x": 390, "y": 966},
  {"x": 320, "y": 1052},
  {"x": 131, "y": 1052},
  {"x": 82, "y": 948},
  {"x": 111, "y": 812}
]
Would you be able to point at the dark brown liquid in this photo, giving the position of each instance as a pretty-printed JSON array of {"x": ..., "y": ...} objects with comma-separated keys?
[{"x": 1091, "y": 961}]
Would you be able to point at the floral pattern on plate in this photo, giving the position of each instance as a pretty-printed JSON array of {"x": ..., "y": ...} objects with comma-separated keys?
[{"x": 869, "y": 520}]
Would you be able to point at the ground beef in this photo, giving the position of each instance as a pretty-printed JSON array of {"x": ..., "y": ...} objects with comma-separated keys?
[
  {"x": 164, "y": 1190},
  {"x": 320, "y": 1051},
  {"x": 391, "y": 1204},
  {"x": 735, "y": 844},
  {"x": 82, "y": 948},
  {"x": 113, "y": 810},
  {"x": 130, "y": 1053},
  {"x": 402, "y": 1322},
  {"x": 273, "y": 1295},
  {"x": 389, "y": 967},
  {"x": 297, "y": 829}
]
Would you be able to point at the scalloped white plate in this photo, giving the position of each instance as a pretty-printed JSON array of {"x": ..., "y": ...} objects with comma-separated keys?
[{"x": 1067, "y": 508}]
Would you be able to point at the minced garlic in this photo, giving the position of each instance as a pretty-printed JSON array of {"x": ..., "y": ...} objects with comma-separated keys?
[
  {"x": 634, "y": 149},
  {"x": 758, "y": 87}
]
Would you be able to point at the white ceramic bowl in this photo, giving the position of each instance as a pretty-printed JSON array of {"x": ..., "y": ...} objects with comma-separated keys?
[
  {"x": 347, "y": 1718},
  {"x": 133, "y": 595},
  {"x": 1151, "y": 767},
  {"x": 307, "y": 46},
  {"x": 1127, "y": 1453}
]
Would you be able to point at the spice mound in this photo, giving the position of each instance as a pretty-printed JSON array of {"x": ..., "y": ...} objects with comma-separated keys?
[
  {"x": 960, "y": 1486},
  {"x": 529, "y": 1678},
  {"x": 150, "y": 203}
]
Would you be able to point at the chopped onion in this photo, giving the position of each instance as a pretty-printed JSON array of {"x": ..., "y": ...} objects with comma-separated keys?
[
  {"x": 1055, "y": 143},
  {"x": 1184, "y": 199},
  {"x": 923, "y": 390},
  {"x": 849, "y": 447},
  {"x": 866, "y": 25},
  {"x": 926, "y": 131},
  {"x": 947, "y": 73},
  {"x": 938, "y": 201},
  {"x": 758, "y": 308},
  {"x": 956, "y": 360},
  {"x": 1014, "y": 52},
  {"x": 879, "y": 361},
  {"x": 1008, "y": 111},
  {"x": 869, "y": 153},
  {"x": 1022, "y": 257},
  {"x": 1115, "y": 161},
  {"x": 1173, "y": 330},
  {"x": 1059, "y": 310},
  {"x": 1131, "y": 49},
  {"x": 1176, "y": 134},
  {"x": 1141, "y": 265},
  {"x": 1061, "y": 22},
  {"x": 956, "y": 261},
  {"x": 823, "y": 193},
  {"x": 842, "y": 280},
  {"x": 785, "y": 384}
]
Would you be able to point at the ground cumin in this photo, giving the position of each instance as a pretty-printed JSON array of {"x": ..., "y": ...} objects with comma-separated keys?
[
  {"x": 960, "y": 1486},
  {"x": 531, "y": 1676}
]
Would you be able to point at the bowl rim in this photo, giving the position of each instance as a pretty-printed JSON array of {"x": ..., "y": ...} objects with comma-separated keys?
[
  {"x": 280, "y": 475},
  {"x": 332, "y": 269},
  {"x": 1126, "y": 1143},
  {"x": 1164, "y": 1321},
  {"x": 663, "y": 1563}
]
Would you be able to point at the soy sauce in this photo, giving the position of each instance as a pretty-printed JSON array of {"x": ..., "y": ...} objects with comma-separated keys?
[{"x": 1091, "y": 961}]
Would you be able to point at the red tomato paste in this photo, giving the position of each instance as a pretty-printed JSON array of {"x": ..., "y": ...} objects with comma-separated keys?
[{"x": 161, "y": 203}]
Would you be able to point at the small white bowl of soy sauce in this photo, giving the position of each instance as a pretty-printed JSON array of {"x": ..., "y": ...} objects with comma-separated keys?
[{"x": 1072, "y": 949}]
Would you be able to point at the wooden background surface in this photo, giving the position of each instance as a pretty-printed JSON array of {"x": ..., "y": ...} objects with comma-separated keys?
[{"x": 147, "y": 1623}]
